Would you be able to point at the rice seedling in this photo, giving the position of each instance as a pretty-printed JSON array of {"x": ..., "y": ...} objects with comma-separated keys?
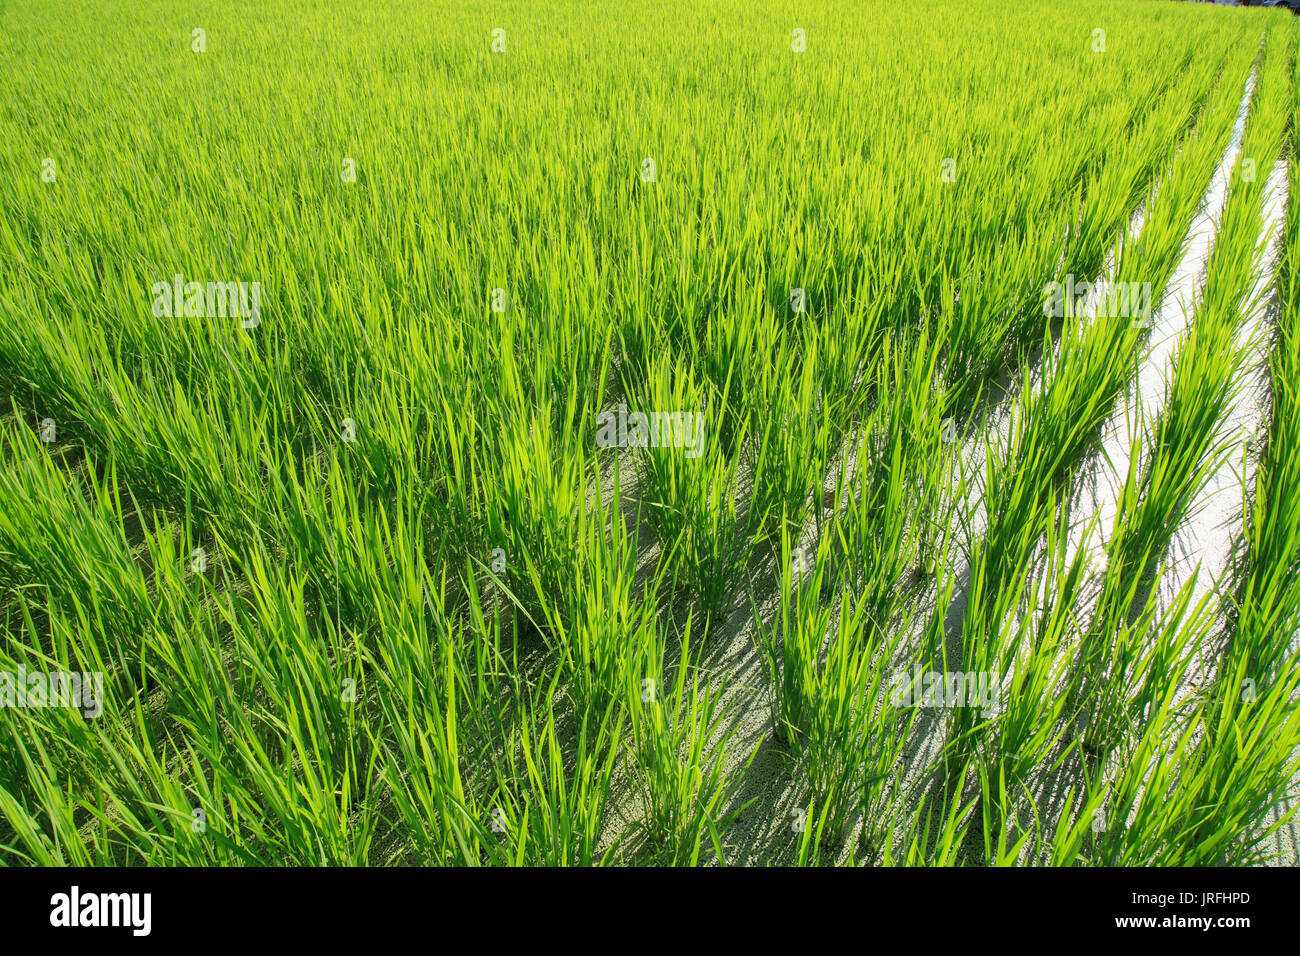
[{"x": 458, "y": 445}]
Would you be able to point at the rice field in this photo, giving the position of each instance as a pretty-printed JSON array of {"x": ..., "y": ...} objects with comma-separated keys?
[{"x": 565, "y": 434}]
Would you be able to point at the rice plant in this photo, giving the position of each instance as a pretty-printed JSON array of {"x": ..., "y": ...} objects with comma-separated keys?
[{"x": 638, "y": 434}]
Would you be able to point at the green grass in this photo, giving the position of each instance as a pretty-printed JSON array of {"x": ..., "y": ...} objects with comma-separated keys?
[{"x": 368, "y": 588}]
